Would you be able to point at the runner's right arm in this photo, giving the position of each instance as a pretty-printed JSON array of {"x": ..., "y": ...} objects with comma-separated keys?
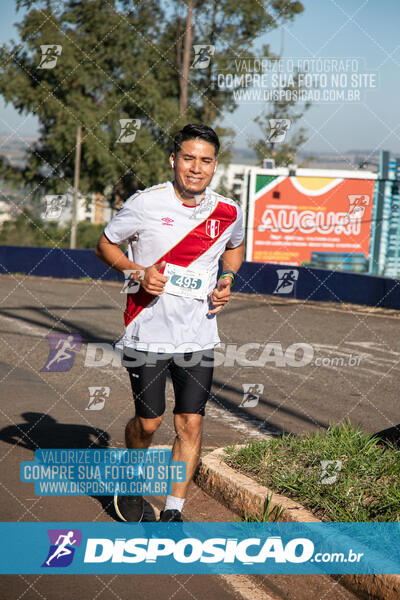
[
  {"x": 152, "y": 281},
  {"x": 112, "y": 255}
]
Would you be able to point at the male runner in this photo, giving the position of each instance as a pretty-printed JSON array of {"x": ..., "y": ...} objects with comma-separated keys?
[{"x": 177, "y": 232}]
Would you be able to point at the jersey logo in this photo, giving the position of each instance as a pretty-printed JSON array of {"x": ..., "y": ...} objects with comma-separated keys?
[
  {"x": 212, "y": 228},
  {"x": 167, "y": 221}
]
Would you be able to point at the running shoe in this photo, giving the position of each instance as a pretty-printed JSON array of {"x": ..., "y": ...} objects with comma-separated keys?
[
  {"x": 171, "y": 516},
  {"x": 129, "y": 508}
]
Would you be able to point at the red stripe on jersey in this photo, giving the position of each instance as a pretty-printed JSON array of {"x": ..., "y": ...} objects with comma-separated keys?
[{"x": 186, "y": 251}]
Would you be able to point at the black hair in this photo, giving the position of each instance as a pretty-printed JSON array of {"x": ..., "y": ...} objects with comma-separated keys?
[{"x": 196, "y": 132}]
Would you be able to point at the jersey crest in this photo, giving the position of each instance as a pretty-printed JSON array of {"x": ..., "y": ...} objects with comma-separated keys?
[{"x": 212, "y": 228}]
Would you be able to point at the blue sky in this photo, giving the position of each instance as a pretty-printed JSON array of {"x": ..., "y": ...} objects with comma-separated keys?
[
  {"x": 350, "y": 28},
  {"x": 327, "y": 28}
]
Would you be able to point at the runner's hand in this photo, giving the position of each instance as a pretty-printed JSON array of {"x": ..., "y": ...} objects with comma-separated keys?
[
  {"x": 153, "y": 281},
  {"x": 221, "y": 295}
]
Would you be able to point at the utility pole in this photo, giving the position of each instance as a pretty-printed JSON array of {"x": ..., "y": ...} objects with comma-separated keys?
[
  {"x": 184, "y": 73},
  {"x": 76, "y": 186}
]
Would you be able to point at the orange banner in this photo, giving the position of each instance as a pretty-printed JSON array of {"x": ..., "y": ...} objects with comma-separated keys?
[{"x": 295, "y": 216}]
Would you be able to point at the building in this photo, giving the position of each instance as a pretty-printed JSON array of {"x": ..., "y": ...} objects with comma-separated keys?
[
  {"x": 5, "y": 212},
  {"x": 385, "y": 238},
  {"x": 230, "y": 179},
  {"x": 92, "y": 208}
]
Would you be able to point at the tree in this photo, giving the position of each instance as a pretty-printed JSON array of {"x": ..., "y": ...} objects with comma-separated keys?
[
  {"x": 282, "y": 110},
  {"x": 104, "y": 74},
  {"x": 120, "y": 61},
  {"x": 231, "y": 30}
]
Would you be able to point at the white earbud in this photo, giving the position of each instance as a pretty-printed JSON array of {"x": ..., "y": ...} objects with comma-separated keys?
[
  {"x": 215, "y": 168},
  {"x": 172, "y": 164}
]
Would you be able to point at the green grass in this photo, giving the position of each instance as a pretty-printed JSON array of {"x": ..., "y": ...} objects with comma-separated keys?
[
  {"x": 270, "y": 514},
  {"x": 367, "y": 487}
]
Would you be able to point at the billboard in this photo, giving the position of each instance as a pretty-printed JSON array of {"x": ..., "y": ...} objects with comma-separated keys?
[{"x": 292, "y": 216}]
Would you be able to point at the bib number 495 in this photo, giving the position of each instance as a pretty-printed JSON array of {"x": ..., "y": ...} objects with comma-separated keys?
[{"x": 186, "y": 282}]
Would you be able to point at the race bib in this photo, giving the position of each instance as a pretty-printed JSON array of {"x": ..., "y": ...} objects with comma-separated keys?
[{"x": 186, "y": 282}]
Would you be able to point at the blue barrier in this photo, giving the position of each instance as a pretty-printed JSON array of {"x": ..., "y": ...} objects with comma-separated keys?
[
  {"x": 62, "y": 263},
  {"x": 253, "y": 278},
  {"x": 321, "y": 285}
]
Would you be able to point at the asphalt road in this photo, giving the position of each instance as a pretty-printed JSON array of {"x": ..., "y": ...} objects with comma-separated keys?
[
  {"x": 346, "y": 366},
  {"x": 361, "y": 387}
]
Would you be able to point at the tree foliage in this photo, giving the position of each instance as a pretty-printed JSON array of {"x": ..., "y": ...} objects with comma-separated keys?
[
  {"x": 28, "y": 230},
  {"x": 122, "y": 60},
  {"x": 283, "y": 153}
]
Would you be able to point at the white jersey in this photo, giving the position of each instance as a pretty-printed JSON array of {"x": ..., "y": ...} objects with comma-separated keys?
[{"x": 160, "y": 227}]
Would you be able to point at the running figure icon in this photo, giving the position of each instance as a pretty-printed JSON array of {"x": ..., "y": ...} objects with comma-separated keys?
[
  {"x": 62, "y": 351},
  {"x": 203, "y": 55},
  {"x": 287, "y": 279},
  {"x": 62, "y": 549},
  {"x": 50, "y": 54}
]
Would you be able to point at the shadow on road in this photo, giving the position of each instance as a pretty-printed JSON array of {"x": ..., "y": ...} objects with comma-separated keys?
[
  {"x": 43, "y": 431},
  {"x": 40, "y": 430},
  {"x": 391, "y": 435},
  {"x": 257, "y": 421},
  {"x": 63, "y": 326}
]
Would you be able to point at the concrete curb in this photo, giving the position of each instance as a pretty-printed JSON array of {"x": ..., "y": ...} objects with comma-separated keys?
[{"x": 245, "y": 496}]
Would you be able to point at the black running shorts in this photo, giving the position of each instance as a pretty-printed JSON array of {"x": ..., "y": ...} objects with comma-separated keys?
[{"x": 191, "y": 375}]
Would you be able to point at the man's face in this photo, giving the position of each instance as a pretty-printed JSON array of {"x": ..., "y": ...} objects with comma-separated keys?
[{"x": 194, "y": 166}]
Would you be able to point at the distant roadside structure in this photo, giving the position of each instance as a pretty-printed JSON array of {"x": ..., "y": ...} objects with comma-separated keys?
[
  {"x": 92, "y": 208},
  {"x": 5, "y": 212},
  {"x": 309, "y": 217},
  {"x": 385, "y": 239},
  {"x": 229, "y": 180}
]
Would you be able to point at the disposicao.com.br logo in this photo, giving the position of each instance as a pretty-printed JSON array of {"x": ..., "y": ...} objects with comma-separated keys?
[
  {"x": 199, "y": 548},
  {"x": 191, "y": 550}
]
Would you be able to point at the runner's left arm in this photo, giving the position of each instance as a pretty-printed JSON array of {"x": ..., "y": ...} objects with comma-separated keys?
[{"x": 232, "y": 259}]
